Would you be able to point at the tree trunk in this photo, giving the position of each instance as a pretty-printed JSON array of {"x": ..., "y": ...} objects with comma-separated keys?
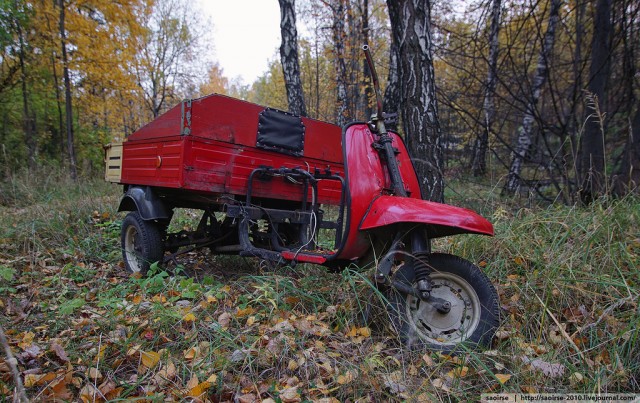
[
  {"x": 391, "y": 99},
  {"x": 479, "y": 163},
  {"x": 343, "y": 114},
  {"x": 28, "y": 121},
  {"x": 525, "y": 131},
  {"x": 410, "y": 27},
  {"x": 366, "y": 74},
  {"x": 592, "y": 152},
  {"x": 289, "y": 58},
  {"x": 627, "y": 177},
  {"x": 73, "y": 170}
]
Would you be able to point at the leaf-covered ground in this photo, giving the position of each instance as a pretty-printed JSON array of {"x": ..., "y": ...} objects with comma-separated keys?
[{"x": 222, "y": 329}]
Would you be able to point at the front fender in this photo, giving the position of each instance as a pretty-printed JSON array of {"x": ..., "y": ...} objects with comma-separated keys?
[{"x": 440, "y": 219}]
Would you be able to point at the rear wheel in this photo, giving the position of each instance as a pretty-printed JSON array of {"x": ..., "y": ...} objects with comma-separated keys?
[
  {"x": 472, "y": 319},
  {"x": 141, "y": 243}
]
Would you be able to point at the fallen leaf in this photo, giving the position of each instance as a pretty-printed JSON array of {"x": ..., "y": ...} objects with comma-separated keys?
[
  {"x": 244, "y": 312},
  {"x": 364, "y": 332},
  {"x": 576, "y": 378},
  {"x": 458, "y": 372},
  {"x": 200, "y": 389},
  {"x": 89, "y": 393},
  {"x": 166, "y": 374},
  {"x": 292, "y": 365},
  {"x": 192, "y": 353},
  {"x": 440, "y": 384},
  {"x": 348, "y": 377},
  {"x": 247, "y": 398},
  {"x": 428, "y": 360},
  {"x": 224, "y": 320},
  {"x": 27, "y": 339},
  {"x": 503, "y": 378},
  {"x": 60, "y": 353},
  {"x": 94, "y": 374},
  {"x": 149, "y": 358},
  {"x": 190, "y": 317},
  {"x": 549, "y": 369},
  {"x": 193, "y": 382},
  {"x": 395, "y": 383},
  {"x": 290, "y": 395}
]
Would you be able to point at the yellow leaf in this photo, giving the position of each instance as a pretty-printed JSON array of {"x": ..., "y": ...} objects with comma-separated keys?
[
  {"x": 458, "y": 372},
  {"x": 353, "y": 332},
  {"x": 149, "y": 358},
  {"x": 27, "y": 339},
  {"x": 200, "y": 389},
  {"x": 503, "y": 378},
  {"x": 364, "y": 331},
  {"x": 251, "y": 320},
  {"x": 190, "y": 317},
  {"x": 213, "y": 378},
  {"x": 191, "y": 353},
  {"x": 31, "y": 380},
  {"x": 348, "y": 377},
  {"x": 244, "y": 312},
  {"x": 211, "y": 299}
]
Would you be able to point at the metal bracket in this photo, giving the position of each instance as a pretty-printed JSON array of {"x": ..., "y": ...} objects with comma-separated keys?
[{"x": 185, "y": 117}]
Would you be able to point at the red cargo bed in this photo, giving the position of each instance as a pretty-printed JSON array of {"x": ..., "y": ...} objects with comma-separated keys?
[{"x": 214, "y": 143}]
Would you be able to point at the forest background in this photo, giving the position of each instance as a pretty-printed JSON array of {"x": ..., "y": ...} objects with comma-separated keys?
[{"x": 539, "y": 97}]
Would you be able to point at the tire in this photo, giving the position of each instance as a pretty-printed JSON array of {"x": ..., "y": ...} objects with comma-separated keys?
[
  {"x": 472, "y": 320},
  {"x": 141, "y": 243}
]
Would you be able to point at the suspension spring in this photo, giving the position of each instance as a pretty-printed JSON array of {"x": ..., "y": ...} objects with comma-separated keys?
[{"x": 422, "y": 271}]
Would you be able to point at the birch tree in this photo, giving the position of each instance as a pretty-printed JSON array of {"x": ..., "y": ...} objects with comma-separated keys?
[
  {"x": 525, "y": 131},
  {"x": 289, "y": 58},
  {"x": 343, "y": 114},
  {"x": 479, "y": 162},
  {"x": 410, "y": 27}
]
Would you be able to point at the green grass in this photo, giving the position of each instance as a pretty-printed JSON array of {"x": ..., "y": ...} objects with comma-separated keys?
[{"x": 567, "y": 277}]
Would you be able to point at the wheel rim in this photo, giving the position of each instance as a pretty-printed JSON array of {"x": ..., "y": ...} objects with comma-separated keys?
[
  {"x": 132, "y": 249},
  {"x": 450, "y": 328}
]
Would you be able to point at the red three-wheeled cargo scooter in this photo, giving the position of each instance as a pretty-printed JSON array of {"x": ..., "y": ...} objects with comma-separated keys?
[{"x": 289, "y": 189}]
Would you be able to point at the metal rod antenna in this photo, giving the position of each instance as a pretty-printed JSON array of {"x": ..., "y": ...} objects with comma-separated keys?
[
  {"x": 374, "y": 77},
  {"x": 385, "y": 142}
]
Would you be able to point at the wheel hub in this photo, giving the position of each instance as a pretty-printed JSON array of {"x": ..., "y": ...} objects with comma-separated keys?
[
  {"x": 133, "y": 248},
  {"x": 437, "y": 327}
]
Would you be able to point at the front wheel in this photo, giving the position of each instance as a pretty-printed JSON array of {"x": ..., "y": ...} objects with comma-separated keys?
[
  {"x": 141, "y": 243},
  {"x": 475, "y": 309}
]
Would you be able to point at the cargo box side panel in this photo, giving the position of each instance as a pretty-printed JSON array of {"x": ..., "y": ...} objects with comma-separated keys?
[
  {"x": 154, "y": 163},
  {"x": 221, "y": 118},
  {"x": 230, "y": 120},
  {"x": 219, "y": 167},
  {"x": 323, "y": 141},
  {"x": 166, "y": 125},
  {"x": 207, "y": 164}
]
